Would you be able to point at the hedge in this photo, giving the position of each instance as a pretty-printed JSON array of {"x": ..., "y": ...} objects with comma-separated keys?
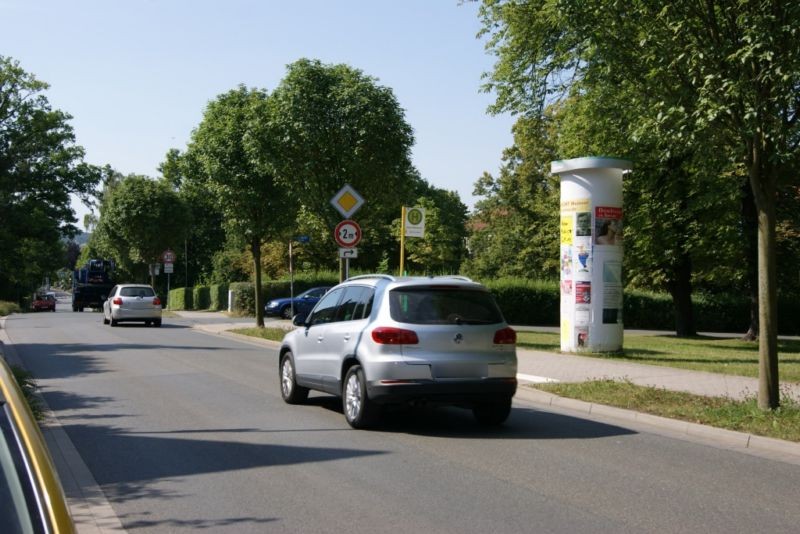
[
  {"x": 244, "y": 296},
  {"x": 201, "y": 297},
  {"x": 219, "y": 297},
  {"x": 536, "y": 302},
  {"x": 180, "y": 299}
]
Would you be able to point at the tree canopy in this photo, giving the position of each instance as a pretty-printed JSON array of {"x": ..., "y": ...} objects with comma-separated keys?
[
  {"x": 723, "y": 75},
  {"x": 40, "y": 166},
  {"x": 140, "y": 219},
  {"x": 235, "y": 153}
]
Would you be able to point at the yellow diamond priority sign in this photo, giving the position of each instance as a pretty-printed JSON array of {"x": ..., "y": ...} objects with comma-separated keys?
[{"x": 347, "y": 201}]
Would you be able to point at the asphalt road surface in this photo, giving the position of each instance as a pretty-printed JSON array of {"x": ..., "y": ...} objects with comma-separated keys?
[{"x": 185, "y": 430}]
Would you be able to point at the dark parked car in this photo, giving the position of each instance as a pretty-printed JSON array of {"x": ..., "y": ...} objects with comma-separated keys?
[{"x": 302, "y": 303}]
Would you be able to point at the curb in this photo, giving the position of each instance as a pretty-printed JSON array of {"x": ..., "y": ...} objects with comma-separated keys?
[{"x": 719, "y": 437}]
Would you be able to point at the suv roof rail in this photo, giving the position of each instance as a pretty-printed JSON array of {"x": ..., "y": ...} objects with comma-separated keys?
[
  {"x": 454, "y": 277},
  {"x": 366, "y": 276}
]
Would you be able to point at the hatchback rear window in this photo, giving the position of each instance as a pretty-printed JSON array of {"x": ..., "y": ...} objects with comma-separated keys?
[
  {"x": 137, "y": 292},
  {"x": 443, "y": 305}
]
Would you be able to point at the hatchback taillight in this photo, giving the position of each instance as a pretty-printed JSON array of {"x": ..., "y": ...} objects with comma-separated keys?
[
  {"x": 117, "y": 301},
  {"x": 156, "y": 301},
  {"x": 387, "y": 335},
  {"x": 506, "y": 336}
]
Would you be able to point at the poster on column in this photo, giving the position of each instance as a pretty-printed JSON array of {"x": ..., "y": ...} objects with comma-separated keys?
[
  {"x": 583, "y": 224},
  {"x": 607, "y": 226},
  {"x": 583, "y": 301},
  {"x": 612, "y": 292},
  {"x": 566, "y": 262},
  {"x": 582, "y": 258}
]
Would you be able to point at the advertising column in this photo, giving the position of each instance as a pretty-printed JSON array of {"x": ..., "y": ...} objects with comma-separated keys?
[{"x": 591, "y": 253}]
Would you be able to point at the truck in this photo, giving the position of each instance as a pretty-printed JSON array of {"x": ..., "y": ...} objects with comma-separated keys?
[{"x": 91, "y": 284}]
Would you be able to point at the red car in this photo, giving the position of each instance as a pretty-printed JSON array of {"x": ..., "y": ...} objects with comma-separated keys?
[{"x": 44, "y": 303}]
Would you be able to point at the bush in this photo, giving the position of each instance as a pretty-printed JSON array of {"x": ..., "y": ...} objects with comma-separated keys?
[
  {"x": 7, "y": 308},
  {"x": 29, "y": 386},
  {"x": 535, "y": 302},
  {"x": 244, "y": 302},
  {"x": 244, "y": 296},
  {"x": 201, "y": 297},
  {"x": 219, "y": 297},
  {"x": 180, "y": 299},
  {"x": 647, "y": 310},
  {"x": 523, "y": 301}
]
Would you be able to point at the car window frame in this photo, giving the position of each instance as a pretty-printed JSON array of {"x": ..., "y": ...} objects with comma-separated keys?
[
  {"x": 363, "y": 295},
  {"x": 316, "y": 312},
  {"x": 25, "y": 483}
]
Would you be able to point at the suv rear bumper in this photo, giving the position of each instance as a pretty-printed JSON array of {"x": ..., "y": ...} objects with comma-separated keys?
[{"x": 444, "y": 391}]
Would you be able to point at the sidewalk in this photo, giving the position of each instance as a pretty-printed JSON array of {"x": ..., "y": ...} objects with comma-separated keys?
[{"x": 536, "y": 366}]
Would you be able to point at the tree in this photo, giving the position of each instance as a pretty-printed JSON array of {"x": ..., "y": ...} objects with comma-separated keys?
[
  {"x": 206, "y": 235},
  {"x": 337, "y": 126},
  {"x": 737, "y": 63},
  {"x": 141, "y": 219},
  {"x": 443, "y": 247},
  {"x": 40, "y": 166},
  {"x": 513, "y": 231},
  {"x": 235, "y": 149}
]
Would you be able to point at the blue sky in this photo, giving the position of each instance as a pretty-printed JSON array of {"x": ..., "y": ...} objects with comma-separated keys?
[{"x": 137, "y": 75}]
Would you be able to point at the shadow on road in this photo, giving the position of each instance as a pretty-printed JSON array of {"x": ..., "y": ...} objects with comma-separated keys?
[{"x": 459, "y": 423}]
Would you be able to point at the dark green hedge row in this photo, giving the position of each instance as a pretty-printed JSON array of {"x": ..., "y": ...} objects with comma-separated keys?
[
  {"x": 201, "y": 297},
  {"x": 530, "y": 302},
  {"x": 214, "y": 298},
  {"x": 219, "y": 297},
  {"x": 180, "y": 299},
  {"x": 535, "y": 302},
  {"x": 244, "y": 296}
]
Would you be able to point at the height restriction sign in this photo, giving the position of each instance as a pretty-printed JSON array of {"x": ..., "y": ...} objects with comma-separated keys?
[{"x": 347, "y": 233}]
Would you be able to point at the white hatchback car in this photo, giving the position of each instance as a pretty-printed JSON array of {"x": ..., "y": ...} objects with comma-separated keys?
[{"x": 132, "y": 302}]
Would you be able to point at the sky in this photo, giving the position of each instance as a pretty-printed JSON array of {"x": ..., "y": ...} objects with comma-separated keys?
[{"x": 136, "y": 76}]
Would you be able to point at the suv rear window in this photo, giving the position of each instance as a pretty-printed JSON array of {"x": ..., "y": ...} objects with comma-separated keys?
[
  {"x": 136, "y": 292},
  {"x": 443, "y": 305}
]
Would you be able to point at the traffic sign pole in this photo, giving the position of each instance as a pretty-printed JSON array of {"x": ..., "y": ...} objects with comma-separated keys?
[{"x": 402, "y": 239}]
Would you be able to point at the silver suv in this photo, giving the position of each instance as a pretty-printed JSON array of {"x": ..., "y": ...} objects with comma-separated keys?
[{"x": 377, "y": 339}]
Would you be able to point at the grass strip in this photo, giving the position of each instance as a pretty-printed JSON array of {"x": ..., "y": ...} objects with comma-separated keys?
[
  {"x": 273, "y": 334},
  {"x": 699, "y": 353},
  {"x": 742, "y": 416}
]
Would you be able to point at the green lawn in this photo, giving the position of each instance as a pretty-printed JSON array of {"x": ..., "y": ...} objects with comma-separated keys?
[
  {"x": 744, "y": 416},
  {"x": 273, "y": 334},
  {"x": 700, "y": 353}
]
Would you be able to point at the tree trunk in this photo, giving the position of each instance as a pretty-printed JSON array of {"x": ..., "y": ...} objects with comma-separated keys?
[
  {"x": 255, "y": 248},
  {"x": 764, "y": 190},
  {"x": 681, "y": 291},
  {"x": 750, "y": 236}
]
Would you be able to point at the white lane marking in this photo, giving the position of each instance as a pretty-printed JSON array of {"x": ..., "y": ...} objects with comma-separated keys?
[{"x": 536, "y": 379}]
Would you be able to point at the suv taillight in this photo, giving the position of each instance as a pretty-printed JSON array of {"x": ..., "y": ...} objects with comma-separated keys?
[
  {"x": 387, "y": 335},
  {"x": 156, "y": 301},
  {"x": 506, "y": 336},
  {"x": 117, "y": 301}
]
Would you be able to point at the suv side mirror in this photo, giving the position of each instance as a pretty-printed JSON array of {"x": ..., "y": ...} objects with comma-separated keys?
[{"x": 299, "y": 319}]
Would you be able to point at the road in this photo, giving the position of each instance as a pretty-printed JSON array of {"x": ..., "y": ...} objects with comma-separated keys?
[{"x": 185, "y": 430}]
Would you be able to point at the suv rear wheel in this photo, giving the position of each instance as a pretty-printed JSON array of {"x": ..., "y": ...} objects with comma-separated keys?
[
  {"x": 358, "y": 409},
  {"x": 290, "y": 391},
  {"x": 492, "y": 413}
]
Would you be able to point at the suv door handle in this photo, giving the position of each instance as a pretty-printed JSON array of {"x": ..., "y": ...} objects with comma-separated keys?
[{"x": 347, "y": 337}]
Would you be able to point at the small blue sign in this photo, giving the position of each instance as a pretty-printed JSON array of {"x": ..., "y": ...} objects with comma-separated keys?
[{"x": 303, "y": 239}]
